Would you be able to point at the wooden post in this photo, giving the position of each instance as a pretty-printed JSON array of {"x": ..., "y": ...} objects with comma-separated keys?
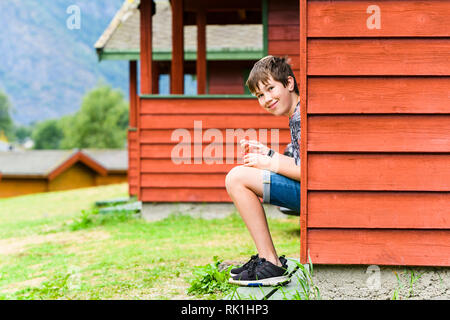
[
  {"x": 146, "y": 46},
  {"x": 303, "y": 134},
  {"x": 177, "y": 67},
  {"x": 133, "y": 94},
  {"x": 201, "y": 51}
]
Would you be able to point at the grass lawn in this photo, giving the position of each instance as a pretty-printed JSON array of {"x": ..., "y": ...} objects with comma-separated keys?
[{"x": 43, "y": 257}]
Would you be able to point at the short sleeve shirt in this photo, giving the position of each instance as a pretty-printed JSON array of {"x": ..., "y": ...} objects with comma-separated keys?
[{"x": 294, "y": 126}]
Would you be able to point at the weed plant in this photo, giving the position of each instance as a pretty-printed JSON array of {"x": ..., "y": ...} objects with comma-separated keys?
[
  {"x": 92, "y": 218},
  {"x": 208, "y": 279}
]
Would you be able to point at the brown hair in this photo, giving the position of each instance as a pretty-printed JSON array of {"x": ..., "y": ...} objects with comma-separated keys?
[{"x": 277, "y": 67}]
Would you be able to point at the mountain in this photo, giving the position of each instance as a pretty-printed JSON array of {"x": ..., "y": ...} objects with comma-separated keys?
[{"x": 47, "y": 67}]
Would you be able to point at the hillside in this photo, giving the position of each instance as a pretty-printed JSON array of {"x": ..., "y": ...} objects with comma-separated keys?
[{"x": 46, "y": 68}]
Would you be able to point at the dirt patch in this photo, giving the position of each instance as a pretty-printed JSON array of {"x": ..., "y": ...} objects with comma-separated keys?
[
  {"x": 13, "y": 287},
  {"x": 18, "y": 245}
]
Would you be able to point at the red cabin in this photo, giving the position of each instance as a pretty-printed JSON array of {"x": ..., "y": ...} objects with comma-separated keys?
[{"x": 374, "y": 80}]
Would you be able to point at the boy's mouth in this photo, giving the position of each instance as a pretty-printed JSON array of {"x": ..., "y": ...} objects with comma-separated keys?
[{"x": 273, "y": 105}]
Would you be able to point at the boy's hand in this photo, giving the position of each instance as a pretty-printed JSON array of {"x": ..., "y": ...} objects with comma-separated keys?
[
  {"x": 253, "y": 146},
  {"x": 260, "y": 161}
]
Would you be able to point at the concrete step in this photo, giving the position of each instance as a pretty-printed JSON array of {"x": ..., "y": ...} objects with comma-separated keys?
[{"x": 291, "y": 291}]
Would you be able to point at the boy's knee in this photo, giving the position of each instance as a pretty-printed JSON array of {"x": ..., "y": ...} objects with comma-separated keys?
[{"x": 234, "y": 177}]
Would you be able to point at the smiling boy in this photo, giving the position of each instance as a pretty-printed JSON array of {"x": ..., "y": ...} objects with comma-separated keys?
[{"x": 267, "y": 174}]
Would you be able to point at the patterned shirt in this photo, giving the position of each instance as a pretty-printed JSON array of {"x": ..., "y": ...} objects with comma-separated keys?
[{"x": 294, "y": 126}]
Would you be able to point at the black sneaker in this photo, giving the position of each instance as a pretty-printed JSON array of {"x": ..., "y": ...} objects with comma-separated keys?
[
  {"x": 262, "y": 273},
  {"x": 238, "y": 270}
]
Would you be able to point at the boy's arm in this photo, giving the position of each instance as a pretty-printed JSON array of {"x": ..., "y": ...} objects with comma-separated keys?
[{"x": 285, "y": 166}]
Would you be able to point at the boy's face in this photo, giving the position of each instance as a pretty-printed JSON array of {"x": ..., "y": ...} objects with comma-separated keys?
[{"x": 276, "y": 98}]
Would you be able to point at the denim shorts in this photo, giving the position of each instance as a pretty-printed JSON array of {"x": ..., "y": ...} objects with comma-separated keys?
[{"x": 281, "y": 191}]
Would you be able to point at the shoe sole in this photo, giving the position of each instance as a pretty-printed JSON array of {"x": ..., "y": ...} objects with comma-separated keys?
[{"x": 269, "y": 282}]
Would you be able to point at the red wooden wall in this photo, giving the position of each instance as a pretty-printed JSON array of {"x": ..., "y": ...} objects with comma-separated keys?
[
  {"x": 227, "y": 77},
  {"x": 133, "y": 173},
  {"x": 376, "y": 142},
  {"x": 283, "y": 31},
  {"x": 201, "y": 180}
]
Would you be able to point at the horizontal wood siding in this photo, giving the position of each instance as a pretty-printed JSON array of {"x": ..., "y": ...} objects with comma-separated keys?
[
  {"x": 283, "y": 32},
  {"x": 133, "y": 170},
  {"x": 77, "y": 176},
  {"x": 225, "y": 77},
  {"x": 380, "y": 247},
  {"x": 17, "y": 187},
  {"x": 188, "y": 145},
  {"x": 378, "y": 133}
]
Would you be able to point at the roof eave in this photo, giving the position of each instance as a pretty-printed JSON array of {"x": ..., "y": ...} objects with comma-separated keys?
[{"x": 211, "y": 55}]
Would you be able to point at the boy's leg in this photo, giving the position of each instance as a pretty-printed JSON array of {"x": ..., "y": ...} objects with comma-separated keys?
[{"x": 244, "y": 185}]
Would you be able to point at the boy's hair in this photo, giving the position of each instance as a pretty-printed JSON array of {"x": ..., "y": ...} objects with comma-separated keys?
[{"x": 277, "y": 67}]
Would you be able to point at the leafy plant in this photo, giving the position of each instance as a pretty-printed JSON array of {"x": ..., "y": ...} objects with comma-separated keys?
[
  {"x": 304, "y": 277},
  {"x": 91, "y": 218},
  {"x": 56, "y": 288},
  {"x": 209, "y": 280},
  {"x": 412, "y": 280}
]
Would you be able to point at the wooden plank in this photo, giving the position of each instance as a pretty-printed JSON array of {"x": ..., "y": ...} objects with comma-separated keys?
[
  {"x": 183, "y": 180},
  {"x": 146, "y": 47},
  {"x": 283, "y": 47},
  {"x": 383, "y": 172},
  {"x": 184, "y": 151},
  {"x": 381, "y": 247},
  {"x": 379, "y": 95},
  {"x": 383, "y": 133},
  {"x": 283, "y": 12},
  {"x": 225, "y": 81},
  {"x": 282, "y": 18},
  {"x": 223, "y": 6},
  {"x": 304, "y": 96},
  {"x": 284, "y": 32},
  {"x": 201, "y": 106},
  {"x": 267, "y": 121},
  {"x": 139, "y": 168},
  {"x": 167, "y": 166},
  {"x": 185, "y": 195},
  {"x": 201, "y": 51},
  {"x": 379, "y": 57},
  {"x": 397, "y": 18},
  {"x": 177, "y": 66},
  {"x": 133, "y": 94},
  {"x": 164, "y": 136},
  {"x": 396, "y": 210}
]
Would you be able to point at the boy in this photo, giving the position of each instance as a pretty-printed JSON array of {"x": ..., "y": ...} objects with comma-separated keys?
[{"x": 267, "y": 174}]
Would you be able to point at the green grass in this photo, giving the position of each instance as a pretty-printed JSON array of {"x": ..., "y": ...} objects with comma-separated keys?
[{"x": 56, "y": 246}]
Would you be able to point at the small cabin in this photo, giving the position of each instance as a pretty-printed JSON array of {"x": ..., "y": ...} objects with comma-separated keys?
[
  {"x": 36, "y": 171},
  {"x": 374, "y": 82}
]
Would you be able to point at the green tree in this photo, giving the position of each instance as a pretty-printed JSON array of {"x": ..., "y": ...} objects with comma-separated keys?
[
  {"x": 23, "y": 132},
  {"x": 100, "y": 123},
  {"x": 47, "y": 135},
  {"x": 6, "y": 122}
]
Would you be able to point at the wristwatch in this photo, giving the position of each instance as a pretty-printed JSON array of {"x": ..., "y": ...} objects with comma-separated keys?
[{"x": 271, "y": 153}]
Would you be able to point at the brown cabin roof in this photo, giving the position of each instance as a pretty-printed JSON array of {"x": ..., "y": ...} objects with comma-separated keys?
[
  {"x": 114, "y": 160},
  {"x": 50, "y": 163},
  {"x": 123, "y": 32}
]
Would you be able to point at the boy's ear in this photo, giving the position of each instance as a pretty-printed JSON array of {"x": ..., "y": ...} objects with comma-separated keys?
[{"x": 290, "y": 84}]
